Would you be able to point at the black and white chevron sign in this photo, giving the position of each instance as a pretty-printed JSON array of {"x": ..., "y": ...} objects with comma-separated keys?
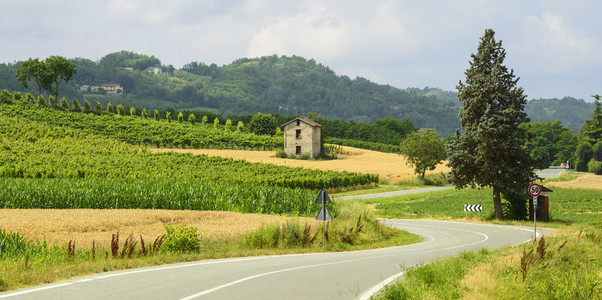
[{"x": 473, "y": 207}]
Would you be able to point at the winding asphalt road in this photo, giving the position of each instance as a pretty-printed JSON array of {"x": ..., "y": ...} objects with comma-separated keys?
[{"x": 345, "y": 275}]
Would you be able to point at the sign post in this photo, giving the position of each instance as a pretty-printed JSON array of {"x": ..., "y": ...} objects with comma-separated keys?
[
  {"x": 534, "y": 190},
  {"x": 323, "y": 215}
]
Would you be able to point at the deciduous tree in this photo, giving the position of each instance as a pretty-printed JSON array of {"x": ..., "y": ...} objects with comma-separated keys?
[
  {"x": 490, "y": 150},
  {"x": 424, "y": 150},
  {"x": 36, "y": 70},
  {"x": 60, "y": 69},
  {"x": 264, "y": 124}
]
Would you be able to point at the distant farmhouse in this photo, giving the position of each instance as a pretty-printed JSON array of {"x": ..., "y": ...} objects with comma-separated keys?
[
  {"x": 109, "y": 88},
  {"x": 154, "y": 70},
  {"x": 112, "y": 88},
  {"x": 302, "y": 136}
]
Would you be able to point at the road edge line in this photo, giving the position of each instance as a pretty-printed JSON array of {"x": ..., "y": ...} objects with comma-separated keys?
[{"x": 379, "y": 286}]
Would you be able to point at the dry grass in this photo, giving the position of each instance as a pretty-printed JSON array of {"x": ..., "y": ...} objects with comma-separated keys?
[
  {"x": 389, "y": 166},
  {"x": 585, "y": 182},
  {"x": 59, "y": 226}
]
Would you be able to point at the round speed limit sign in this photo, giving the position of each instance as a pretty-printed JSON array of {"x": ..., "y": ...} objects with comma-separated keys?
[{"x": 534, "y": 190}]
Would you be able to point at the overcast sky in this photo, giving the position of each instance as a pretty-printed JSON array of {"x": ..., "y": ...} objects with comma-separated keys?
[{"x": 554, "y": 46}]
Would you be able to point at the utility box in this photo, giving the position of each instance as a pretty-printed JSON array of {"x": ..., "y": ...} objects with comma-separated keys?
[{"x": 543, "y": 205}]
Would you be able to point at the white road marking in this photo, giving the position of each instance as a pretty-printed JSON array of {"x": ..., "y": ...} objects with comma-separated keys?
[
  {"x": 486, "y": 237},
  {"x": 379, "y": 286},
  {"x": 34, "y": 290},
  {"x": 261, "y": 275}
]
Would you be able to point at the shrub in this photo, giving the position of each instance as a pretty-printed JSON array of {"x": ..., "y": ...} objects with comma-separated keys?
[
  {"x": 584, "y": 155},
  {"x": 6, "y": 97},
  {"x": 87, "y": 105},
  {"x": 181, "y": 238},
  {"x": 264, "y": 237},
  {"x": 41, "y": 101},
  {"x": 75, "y": 105},
  {"x": 595, "y": 167},
  {"x": 281, "y": 153}
]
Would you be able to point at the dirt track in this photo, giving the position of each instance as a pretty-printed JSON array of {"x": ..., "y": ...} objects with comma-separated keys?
[{"x": 390, "y": 167}]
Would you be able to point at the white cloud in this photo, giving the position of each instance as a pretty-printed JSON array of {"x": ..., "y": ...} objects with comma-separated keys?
[
  {"x": 331, "y": 31},
  {"x": 553, "y": 46}
]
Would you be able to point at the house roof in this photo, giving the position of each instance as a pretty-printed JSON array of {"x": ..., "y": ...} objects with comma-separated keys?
[{"x": 305, "y": 120}]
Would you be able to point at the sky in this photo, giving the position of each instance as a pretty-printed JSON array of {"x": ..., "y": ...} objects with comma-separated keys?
[{"x": 554, "y": 46}]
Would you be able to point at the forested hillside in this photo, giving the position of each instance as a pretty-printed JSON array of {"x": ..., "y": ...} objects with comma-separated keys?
[{"x": 274, "y": 84}]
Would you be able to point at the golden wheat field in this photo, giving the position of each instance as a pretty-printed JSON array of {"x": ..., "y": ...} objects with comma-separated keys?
[
  {"x": 587, "y": 182},
  {"x": 86, "y": 225},
  {"x": 389, "y": 166}
]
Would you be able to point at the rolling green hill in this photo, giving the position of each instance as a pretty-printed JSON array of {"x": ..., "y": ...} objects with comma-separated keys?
[{"x": 275, "y": 84}]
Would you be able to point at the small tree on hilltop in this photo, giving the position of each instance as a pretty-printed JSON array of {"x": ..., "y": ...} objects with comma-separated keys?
[
  {"x": 60, "y": 69},
  {"x": 490, "y": 150},
  {"x": 424, "y": 150},
  {"x": 36, "y": 70}
]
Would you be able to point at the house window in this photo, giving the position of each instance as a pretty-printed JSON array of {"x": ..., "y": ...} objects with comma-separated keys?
[
  {"x": 298, "y": 150},
  {"x": 298, "y": 123},
  {"x": 298, "y": 134}
]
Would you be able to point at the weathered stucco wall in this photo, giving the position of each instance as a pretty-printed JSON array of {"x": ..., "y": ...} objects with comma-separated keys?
[{"x": 309, "y": 140}]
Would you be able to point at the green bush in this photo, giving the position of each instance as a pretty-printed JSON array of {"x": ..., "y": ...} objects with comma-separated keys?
[
  {"x": 264, "y": 237},
  {"x": 6, "y": 97},
  {"x": 595, "y": 167},
  {"x": 584, "y": 154},
  {"x": 281, "y": 153},
  {"x": 181, "y": 238}
]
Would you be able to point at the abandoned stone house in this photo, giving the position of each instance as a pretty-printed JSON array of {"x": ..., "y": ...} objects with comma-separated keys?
[{"x": 302, "y": 136}]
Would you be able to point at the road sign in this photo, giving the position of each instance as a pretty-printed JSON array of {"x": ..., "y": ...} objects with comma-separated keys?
[
  {"x": 534, "y": 189},
  {"x": 473, "y": 207},
  {"x": 324, "y": 215},
  {"x": 323, "y": 198}
]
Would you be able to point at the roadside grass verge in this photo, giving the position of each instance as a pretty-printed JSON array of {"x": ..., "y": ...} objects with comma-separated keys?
[
  {"x": 354, "y": 227},
  {"x": 564, "y": 265},
  {"x": 567, "y": 206}
]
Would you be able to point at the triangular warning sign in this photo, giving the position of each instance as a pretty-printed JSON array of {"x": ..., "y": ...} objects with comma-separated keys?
[
  {"x": 323, "y": 198},
  {"x": 324, "y": 215}
]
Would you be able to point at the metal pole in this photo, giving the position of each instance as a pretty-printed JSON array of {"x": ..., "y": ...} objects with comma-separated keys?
[
  {"x": 535, "y": 218},
  {"x": 323, "y": 221}
]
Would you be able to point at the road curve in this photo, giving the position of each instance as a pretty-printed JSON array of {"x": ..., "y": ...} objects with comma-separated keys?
[{"x": 344, "y": 275}]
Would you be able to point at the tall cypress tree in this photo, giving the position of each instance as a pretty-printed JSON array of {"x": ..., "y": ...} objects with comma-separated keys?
[
  {"x": 591, "y": 131},
  {"x": 490, "y": 150}
]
